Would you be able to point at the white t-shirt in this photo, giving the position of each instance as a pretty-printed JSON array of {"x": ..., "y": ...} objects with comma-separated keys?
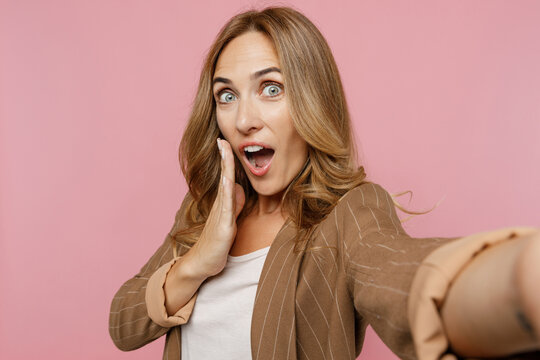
[{"x": 220, "y": 325}]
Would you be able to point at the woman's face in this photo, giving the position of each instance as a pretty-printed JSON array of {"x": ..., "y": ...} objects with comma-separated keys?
[{"x": 253, "y": 114}]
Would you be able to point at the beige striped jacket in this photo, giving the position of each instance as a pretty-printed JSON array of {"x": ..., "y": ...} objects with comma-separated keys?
[{"x": 316, "y": 304}]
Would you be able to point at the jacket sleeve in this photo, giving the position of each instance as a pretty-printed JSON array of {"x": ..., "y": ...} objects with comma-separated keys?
[
  {"x": 398, "y": 282},
  {"x": 130, "y": 325},
  {"x": 433, "y": 280}
]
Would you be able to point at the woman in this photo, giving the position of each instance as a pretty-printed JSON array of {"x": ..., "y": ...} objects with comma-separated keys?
[{"x": 282, "y": 249}]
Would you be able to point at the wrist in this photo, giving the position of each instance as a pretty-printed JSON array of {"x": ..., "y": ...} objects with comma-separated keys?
[{"x": 190, "y": 268}]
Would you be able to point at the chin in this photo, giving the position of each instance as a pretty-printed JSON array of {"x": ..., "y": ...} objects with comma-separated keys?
[{"x": 266, "y": 189}]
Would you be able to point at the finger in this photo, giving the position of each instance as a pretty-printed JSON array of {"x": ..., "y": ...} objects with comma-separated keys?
[
  {"x": 219, "y": 197},
  {"x": 228, "y": 160},
  {"x": 221, "y": 160},
  {"x": 228, "y": 201}
]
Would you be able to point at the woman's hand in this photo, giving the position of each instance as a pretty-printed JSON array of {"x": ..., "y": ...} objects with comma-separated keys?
[
  {"x": 528, "y": 285},
  {"x": 209, "y": 254},
  {"x": 492, "y": 308}
]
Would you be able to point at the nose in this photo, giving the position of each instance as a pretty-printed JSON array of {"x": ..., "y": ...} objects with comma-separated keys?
[{"x": 248, "y": 118}]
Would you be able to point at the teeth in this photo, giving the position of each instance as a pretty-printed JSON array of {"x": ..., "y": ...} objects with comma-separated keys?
[{"x": 253, "y": 148}]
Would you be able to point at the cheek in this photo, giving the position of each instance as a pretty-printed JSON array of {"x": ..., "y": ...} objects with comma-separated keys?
[
  {"x": 296, "y": 146},
  {"x": 273, "y": 112},
  {"x": 297, "y": 152},
  {"x": 296, "y": 142},
  {"x": 222, "y": 125},
  {"x": 301, "y": 152}
]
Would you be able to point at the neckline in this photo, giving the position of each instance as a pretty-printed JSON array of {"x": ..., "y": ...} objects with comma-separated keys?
[{"x": 249, "y": 256}]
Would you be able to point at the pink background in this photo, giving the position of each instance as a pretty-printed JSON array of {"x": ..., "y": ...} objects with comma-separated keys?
[{"x": 445, "y": 99}]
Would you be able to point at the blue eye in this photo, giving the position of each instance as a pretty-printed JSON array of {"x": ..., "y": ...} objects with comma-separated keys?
[
  {"x": 273, "y": 90},
  {"x": 226, "y": 97}
]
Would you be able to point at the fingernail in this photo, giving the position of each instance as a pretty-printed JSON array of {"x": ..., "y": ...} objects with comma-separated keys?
[{"x": 220, "y": 149}]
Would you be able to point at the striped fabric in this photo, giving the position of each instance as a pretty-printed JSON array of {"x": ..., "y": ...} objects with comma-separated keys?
[{"x": 315, "y": 304}]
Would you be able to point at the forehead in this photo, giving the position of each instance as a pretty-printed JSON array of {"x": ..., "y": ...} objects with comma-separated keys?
[{"x": 246, "y": 54}]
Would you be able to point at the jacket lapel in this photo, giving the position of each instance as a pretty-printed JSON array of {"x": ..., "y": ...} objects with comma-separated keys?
[{"x": 273, "y": 331}]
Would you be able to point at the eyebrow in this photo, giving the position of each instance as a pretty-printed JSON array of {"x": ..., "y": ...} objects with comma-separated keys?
[{"x": 253, "y": 76}]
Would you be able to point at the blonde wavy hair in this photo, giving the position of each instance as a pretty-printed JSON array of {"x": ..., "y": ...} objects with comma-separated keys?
[{"x": 319, "y": 112}]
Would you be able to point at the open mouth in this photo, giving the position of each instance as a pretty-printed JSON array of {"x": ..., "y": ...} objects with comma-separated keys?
[{"x": 258, "y": 156}]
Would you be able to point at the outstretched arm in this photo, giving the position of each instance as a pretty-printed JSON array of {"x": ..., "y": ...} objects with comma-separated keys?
[{"x": 390, "y": 271}]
